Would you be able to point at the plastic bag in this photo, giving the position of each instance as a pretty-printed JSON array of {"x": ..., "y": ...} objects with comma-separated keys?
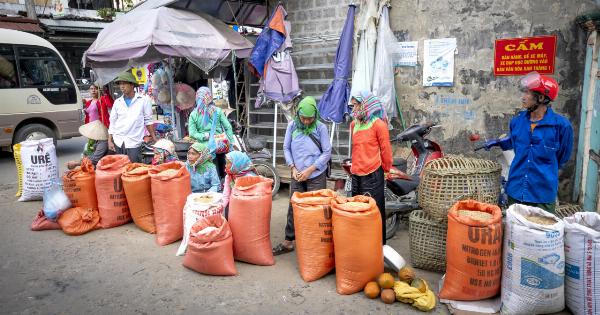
[
  {"x": 37, "y": 167},
  {"x": 41, "y": 223},
  {"x": 383, "y": 73},
  {"x": 78, "y": 221},
  {"x": 250, "y": 220},
  {"x": 55, "y": 201},
  {"x": 358, "y": 242},
  {"x": 112, "y": 202},
  {"x": 473, "y": 252},
  {"x": 210, "y": 249},
  {"x": 313, "y": 230},
  {"x": 533, "y": 273},
  {"x": 170, "y": 187},
  {"x": 582, "y": 270},
  {"x": 197, "y": 206},
  {"x": 136, "y": 184}
]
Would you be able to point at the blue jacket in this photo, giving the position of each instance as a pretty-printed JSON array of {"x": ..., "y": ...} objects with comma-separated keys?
[
  {"x": 533, "y": 175},
  {"x": 204, "y": 182}
]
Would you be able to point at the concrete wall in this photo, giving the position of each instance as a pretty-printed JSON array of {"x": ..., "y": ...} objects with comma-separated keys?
[{"x": 487, "y": 102}]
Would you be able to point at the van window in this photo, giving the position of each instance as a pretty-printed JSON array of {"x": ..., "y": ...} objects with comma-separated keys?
[
  {"x": 8, "y": 71},
  {"x": 41, "y": 68}
]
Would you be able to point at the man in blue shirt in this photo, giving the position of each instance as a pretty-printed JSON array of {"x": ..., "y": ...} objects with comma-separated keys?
[{"x": 542, "y": 141}]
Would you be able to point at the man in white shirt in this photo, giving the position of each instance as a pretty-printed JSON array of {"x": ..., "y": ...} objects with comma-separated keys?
[{"x": 131, "y": 113}]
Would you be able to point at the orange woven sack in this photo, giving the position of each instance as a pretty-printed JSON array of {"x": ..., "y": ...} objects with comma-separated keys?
[
  {"x": 171, "y": 185},
  {"x": 358, "y": 244},
  {"x": 41, "y": 223},
  {"x": 250, "y": 220},
  {"x": 473, "y": 251},
  {"x": 78, "y": 221},
  {"x": 112, "y": 202},
  {"x": 210, "y": 248},
  {"x": 314, "y": 237},
  {"x": 79, "y": 185},
  {"x": 136, "y": 183}
]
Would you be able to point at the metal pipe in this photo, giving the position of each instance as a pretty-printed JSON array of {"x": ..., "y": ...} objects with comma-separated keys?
[
  {"x": 275, "y": 136},
  {"x": 588, "y": 121}
]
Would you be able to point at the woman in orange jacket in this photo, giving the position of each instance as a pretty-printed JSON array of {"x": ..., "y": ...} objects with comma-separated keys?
[{"x": 371, "y": 150}]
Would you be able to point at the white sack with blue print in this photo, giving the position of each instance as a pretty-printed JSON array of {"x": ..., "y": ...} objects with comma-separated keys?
[
  {"x": 582, "y": 270},
  {"x": 533, "y": 271},
  {"x": 37, "y": 167}
]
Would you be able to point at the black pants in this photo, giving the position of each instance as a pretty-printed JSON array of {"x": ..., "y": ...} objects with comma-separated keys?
[
  {"x": 220, "y": 164},
  {"x": 133, "y": 153},
  {"x": 319, "y": 182},
  {"x": 373, "y": 185}
]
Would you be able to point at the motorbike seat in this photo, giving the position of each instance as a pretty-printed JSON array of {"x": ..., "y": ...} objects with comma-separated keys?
[
  {"x": 400, "y": 164},
  {"x": 255, "y": 144},
  {"x": 401, "y": 187}
]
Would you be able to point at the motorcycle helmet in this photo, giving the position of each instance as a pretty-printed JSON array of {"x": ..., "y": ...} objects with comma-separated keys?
[
  {"x": 544, "y": 85},
  {"x": 164, "y": 144}
]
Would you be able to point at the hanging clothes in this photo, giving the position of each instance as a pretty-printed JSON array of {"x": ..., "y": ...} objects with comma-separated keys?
[{"x": 383, "y": 76}]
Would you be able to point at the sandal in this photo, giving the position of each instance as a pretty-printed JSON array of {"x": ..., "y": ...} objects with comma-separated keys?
[{"x": 280, "y": 249}]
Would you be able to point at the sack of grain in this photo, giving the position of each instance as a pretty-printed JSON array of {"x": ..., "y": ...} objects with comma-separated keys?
[{"x": 534, "y": 262}]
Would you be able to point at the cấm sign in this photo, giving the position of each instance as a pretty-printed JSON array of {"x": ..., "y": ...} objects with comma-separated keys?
[{"x": 517, "y": 56}]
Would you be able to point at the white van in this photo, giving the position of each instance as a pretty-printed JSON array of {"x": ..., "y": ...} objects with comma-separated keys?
[{"x": 38, "y": 95}]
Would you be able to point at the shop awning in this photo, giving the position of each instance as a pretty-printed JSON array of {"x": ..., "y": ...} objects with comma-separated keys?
[
  {"x": 77, "y": 26},
  {"x": 243, "y": 12},
  {"x": 20, "y": 24}
]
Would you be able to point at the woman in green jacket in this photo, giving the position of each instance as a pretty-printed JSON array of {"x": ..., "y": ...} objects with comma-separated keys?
[{"x": 201, "y": 121}]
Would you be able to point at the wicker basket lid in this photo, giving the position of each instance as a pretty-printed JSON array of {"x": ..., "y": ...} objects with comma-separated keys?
[{"x": 456, "y": 164}]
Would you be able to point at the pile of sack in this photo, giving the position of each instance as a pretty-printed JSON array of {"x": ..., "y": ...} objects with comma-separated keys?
[
  {"x": 115, "y": 193},
  {"x": 212, "y": 243},
  {"x": 338, "y": 232},
  {"x": 526, "y": 262}
]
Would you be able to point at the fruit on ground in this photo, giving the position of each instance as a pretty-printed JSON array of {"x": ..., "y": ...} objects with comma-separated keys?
[
  {"x": 388, "y": 296},
  {"x": 386, "y": 280},
  {"x": 419, "y": 284},
  {"x": 406, "y": 274},
  {"x": 372, "y": 290}
]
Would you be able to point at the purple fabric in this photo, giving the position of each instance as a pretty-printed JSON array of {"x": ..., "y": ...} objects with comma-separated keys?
[
  {"x": 334, "y": 103},
  {"x": 267, "y": 43},
  {"x": 281, "y": 80},
  {"x": 146, "y": 36}
]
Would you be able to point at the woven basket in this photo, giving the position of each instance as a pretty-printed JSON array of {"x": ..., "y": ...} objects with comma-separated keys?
[
  {"x": 427, "y": 242},
  {"x": 452, "y": 178},
  {"x": 567, "y": 210}
]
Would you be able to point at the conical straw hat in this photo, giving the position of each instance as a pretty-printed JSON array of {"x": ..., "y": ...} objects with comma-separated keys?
[{"x": 94, "y": 130}]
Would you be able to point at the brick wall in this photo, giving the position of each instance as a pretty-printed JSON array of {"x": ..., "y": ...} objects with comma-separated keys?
[{"x": 491, "y": 101}]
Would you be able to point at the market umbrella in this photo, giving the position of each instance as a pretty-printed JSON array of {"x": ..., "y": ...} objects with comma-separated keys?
[
  {"x": 147, "y": 36},
  {"x": 363, "y": 75},
  {"x": 383, "y": 76},
  {"x": 334, "y": 103}
]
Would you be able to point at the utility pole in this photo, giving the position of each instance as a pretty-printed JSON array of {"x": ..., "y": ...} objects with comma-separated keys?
[{"x": 30, "y": 7}]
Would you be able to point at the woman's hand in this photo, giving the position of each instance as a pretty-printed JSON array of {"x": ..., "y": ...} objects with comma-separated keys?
[
  {"x": 305, "y": 175},
  {"x": 295, "y": 173}
]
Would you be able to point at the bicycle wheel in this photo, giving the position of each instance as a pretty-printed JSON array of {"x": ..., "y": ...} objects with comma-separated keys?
[{"x": 267, "y": 170}]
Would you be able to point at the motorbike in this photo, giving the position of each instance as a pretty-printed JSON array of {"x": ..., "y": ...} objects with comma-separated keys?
[
  {"x": 256, "y": 151},
  {"x": 400, "y": 183}
]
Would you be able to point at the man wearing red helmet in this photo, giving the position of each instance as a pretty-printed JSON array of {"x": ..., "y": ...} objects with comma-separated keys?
[{"x": 542, "y": 141}]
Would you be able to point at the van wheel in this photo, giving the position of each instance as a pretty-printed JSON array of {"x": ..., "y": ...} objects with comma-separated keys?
[{"x": 34, "y": 132}]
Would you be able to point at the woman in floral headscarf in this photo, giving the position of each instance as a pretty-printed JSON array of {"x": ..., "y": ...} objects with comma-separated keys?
[
  {"x": 203, "y": 172},
  {"x": 238, "y": 165},
  {"x": 370, "y": 134},
  {"x": 201, "y": 121}
]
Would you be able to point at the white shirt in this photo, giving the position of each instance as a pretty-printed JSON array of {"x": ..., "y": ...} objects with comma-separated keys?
[{"x": 127, "y": 123}]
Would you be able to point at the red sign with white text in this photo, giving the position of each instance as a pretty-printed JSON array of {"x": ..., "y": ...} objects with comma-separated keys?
[{"x": 517, "y": 56}]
